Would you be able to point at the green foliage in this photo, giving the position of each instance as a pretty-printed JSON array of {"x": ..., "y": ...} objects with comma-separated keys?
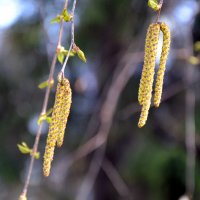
[
  {"x": 65, "y": 16},
  {"x": 62, "y": 52},
  {"x": 157, "y": 168},
  {"x": 24, "y": 149},
  {"x": 154, "y": 4},
  {"x": 45, "y": 117},
  {"x": 81, "y": 55},
  {"x": 57, "y": 19},
  {"x": 45, "y": 84}
]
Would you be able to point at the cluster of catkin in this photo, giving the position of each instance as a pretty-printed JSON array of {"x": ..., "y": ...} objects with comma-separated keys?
[
  {"x": 147, "y": 78},
  {"x": 61, "y": 110}
]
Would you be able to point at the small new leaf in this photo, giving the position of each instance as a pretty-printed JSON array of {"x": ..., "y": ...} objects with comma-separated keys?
[
  {"x": 154, "y": 4},
  {"x": 61, "y": 57},
  {"x": 45, "y": 84},
  {"x": 66, "y": 16},
  {"x": 81, "y": 55},
  {"x": 36, "y": 155},
  {"x": 48, "y": 119},
  {"x": 23, "y": 148},
  {"x": 57, "y": 19},
  {"x": 71, "y": 53}
]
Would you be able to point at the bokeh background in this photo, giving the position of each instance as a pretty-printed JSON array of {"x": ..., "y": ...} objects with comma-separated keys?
[{"x": 152, "y": 163}]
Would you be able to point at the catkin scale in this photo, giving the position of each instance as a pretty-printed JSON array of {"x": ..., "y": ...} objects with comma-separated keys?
[
  {"x": 146, "y": 83},
  {"x": 57, "y": 122},
  {"x": 161, "y": 70}
]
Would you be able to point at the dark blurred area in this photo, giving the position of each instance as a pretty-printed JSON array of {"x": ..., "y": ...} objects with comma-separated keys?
[{"x": 140, "y": 164}]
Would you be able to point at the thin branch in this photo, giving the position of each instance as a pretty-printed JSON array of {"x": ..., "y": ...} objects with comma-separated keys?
[
  {"x": 116, "y": 179},
  {"x": 159, "y": 11},
  {"x": 72, "y": 37},
  {"x": 44, "y": 108}
]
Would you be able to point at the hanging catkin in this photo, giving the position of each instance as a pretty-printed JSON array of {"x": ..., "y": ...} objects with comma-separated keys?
[
  {"x": 65, "y": 110},
  {"x": 57, "y": 126},
  {"x": 160, "y": 74},
  {"x": 146, "y": 83}
]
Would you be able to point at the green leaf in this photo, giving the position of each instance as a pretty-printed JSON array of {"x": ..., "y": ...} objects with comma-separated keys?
[
  {"x": 154, "y": 4},
  {"x": 45, "y": 84},
  {"x": 61, "y": 57},
  {"x": 66, "y": 16},
  {"x": 49, "y": 120},
  {"x": 41, "y": 118},
  {"x": 23, "y": 148},
  {"x": 81, "y": 55},
  {"x": 57, "y": 19},
  {"x": 71, "y": 53},
  {"x": 36, "y": 155}
]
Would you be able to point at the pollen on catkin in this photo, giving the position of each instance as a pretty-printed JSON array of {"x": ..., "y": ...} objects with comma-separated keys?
[
  {"x": 65, "y": 110},
  {"x": 149, "y": 44},
  {"x": 146, "y": 82},
  {"x": 161, "y": 70},
  {"x": 55, "y": 125}
]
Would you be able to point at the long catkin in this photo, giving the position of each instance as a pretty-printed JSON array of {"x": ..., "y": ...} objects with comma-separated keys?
[
  {"x": 56, "y": 124},
  {"x": 146, "y": 83},
  {"x": 161, "y": 70},
  {"x": 66, "y": 105}
]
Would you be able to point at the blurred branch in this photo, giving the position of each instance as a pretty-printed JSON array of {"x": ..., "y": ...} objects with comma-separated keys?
[
  {"x": 116, "y": 179},
  {"x": 44, "y": 108},
  {"x": 120, "y": 79},
  {"x": 190, "y": 132}
]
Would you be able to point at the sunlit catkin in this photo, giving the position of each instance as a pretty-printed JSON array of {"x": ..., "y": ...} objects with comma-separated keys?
[
  {"x": 65, "y": 110},
  {"x": 55, "y": 125},
  {"x": 161, "y": 70},
  {"x": 146, "y": 83},
  {"x": 151, "y": 39}
]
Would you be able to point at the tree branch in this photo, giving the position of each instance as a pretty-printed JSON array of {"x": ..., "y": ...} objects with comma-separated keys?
[{"x": 44, "y": 108}]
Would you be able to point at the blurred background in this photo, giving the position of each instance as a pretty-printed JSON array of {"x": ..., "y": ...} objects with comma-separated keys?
[{"x": 105, "y": 155}]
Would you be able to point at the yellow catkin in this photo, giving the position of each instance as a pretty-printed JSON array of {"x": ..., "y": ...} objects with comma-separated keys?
[
  {"x": 153, "y": 28},
  {"x": 65, "y": 110},
  {"x": 53, "y": 129},
  {"x": 161, "y": 70},
  {"x": 146, "y": 84}
]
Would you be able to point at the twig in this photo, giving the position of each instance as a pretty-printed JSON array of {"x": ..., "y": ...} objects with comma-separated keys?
[
  {"x": 116, "y": 179},
  {"x": 44, "y": 108},
  {"x": 158, "y": 12},
  {"x": 72, "y": 38}
]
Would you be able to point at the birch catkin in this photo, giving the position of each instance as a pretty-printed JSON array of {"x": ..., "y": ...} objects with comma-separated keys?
[
  {"x": 65, "y": 110},
  {"x": 146, "y": 83},
  {"x": 57, "y": 127},
  {"x": 160, "y": 74}
]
